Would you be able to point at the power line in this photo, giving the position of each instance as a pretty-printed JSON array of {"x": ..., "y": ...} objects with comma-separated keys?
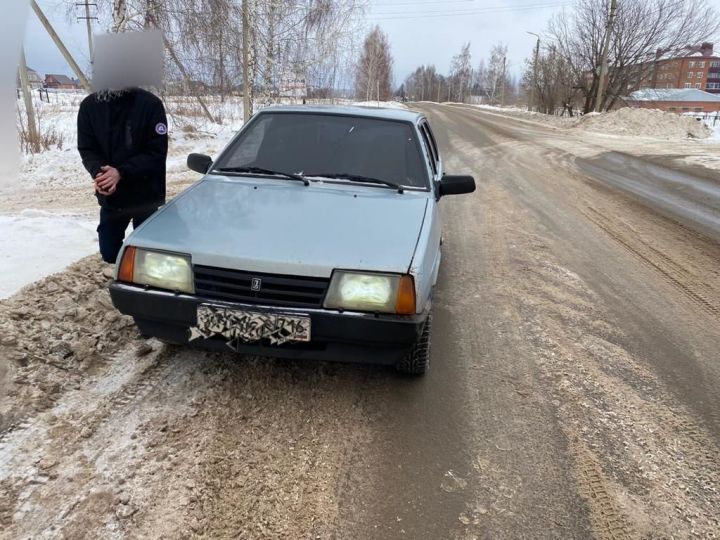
[
  {"x": 531, "y": 3},
  {"x": 461, "y": 10},
  {"x": 412, "y": 3},
  {"x": 401, "y": 15}
]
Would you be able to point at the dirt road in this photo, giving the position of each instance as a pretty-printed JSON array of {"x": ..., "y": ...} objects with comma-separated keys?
[{"x": 574, "y": 390}]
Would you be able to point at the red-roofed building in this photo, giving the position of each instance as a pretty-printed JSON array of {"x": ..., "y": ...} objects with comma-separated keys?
[{"x": 62, "y": 82}]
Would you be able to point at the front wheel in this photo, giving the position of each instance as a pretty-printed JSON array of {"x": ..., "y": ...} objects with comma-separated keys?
[{"x": 417, "y": 361}]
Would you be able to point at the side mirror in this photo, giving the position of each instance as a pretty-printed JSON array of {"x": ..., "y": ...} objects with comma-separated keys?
[
  {"x": 456, "y": 185},
  {"x": 199, "y": 163}
]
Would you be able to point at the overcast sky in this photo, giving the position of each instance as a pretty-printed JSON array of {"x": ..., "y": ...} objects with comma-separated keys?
[
  {"x": 420, "y": 31},
  {"x": 433, "y": 31}
]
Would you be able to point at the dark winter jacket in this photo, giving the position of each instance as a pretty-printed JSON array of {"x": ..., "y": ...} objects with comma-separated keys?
[{"x": 129, "y": 133}]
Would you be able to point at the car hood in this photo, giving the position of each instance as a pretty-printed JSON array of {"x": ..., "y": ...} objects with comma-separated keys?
[{"x": 284, "y": 227}]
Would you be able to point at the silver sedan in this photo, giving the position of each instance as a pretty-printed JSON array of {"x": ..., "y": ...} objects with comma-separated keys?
[{"x": 315, "y": 234}]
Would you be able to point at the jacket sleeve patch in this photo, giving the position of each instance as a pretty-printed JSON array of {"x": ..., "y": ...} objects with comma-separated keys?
[{"x": 160, "y": 128}]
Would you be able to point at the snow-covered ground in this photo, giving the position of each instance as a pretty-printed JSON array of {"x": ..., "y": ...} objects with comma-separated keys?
[
  {"x": 627, "y": 121},
  {"x": 35, "y": 244},
  {"x": 715, "y": 131},
  {"x": 614, "y": 132},
  {"x": 380, "y": 104}
]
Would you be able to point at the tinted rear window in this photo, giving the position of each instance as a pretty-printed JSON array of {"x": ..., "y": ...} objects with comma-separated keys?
[{"x": 323, "y": 144}]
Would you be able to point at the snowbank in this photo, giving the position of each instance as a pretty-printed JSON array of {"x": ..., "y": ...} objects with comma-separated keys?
[
  {"x": 380, "y": 104},
  {"x": 644, "y": 123},
  {"x": 36, "y": 244},
  {"x": 627, "y": 121},
  {"x": 714, "y": 130}
]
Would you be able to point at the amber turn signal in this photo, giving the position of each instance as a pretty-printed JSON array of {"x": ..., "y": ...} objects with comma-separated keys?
[
  {"x": 127, "y": 265},
  {"x": 405, "y": 303}
]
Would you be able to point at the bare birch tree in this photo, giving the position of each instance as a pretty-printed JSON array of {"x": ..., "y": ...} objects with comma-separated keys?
[
  {"x": 425, "y": 84},
  {"x": 495, "y": 78},
  {"x": 309, "y": 40},
  {"x": 374, "y": 70},
  {"x": 643, "y": 31},
  {"x": 461, "y": 73}
]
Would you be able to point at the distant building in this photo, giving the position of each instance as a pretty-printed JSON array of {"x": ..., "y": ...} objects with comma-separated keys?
[
  {"x": 697, "y": 68},
  {"x": 693, "y": 66},
  {"x": 34, "y": 80},
  {"x": 60, "y": 82},
  {"x": 679, "y": 100}
]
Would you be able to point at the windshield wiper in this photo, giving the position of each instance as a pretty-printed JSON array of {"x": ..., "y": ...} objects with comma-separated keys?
[
  {"x": 359, "y": 178},
  {"x": 261, "y": 170}
]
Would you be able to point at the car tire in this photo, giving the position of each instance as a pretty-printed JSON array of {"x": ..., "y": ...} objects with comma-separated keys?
[{"x": 417, "y": 361}]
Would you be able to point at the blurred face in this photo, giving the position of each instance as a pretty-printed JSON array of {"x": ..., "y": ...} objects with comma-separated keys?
[{"x": 126, "y": 60}]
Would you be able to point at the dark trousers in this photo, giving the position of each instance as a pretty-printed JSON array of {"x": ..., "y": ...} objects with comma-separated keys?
[{"x": 111, "y": 230}]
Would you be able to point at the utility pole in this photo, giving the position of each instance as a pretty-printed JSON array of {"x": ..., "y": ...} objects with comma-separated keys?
[
  {"x": 33, "y": 138},
  {"x": 467, "y": 92},
  {"x": 247, "y": 83},
  {"x": 88, "y": 21},
  {"x": 502, "y": 88},
  {"x": 531, "y": 105},
  {"x": 68, "y": 57},
  {"x": 604, "y": 61}
]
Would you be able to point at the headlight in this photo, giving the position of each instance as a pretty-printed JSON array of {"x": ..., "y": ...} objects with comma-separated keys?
[
  {"x": 384, "y": 293},
  {"x": 157, "y": 269}
]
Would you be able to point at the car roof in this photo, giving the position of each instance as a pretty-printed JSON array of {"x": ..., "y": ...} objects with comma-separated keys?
[{"x": 385, "y": 113}]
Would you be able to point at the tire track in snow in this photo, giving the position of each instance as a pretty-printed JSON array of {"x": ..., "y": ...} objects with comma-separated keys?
[{"x": 674, "y": 274}]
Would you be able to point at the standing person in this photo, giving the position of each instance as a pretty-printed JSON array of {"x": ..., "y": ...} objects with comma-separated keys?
[{"x": 122, "y": 139}]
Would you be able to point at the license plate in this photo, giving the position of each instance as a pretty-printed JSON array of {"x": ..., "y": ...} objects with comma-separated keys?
[{"x": 251, "y": 326}]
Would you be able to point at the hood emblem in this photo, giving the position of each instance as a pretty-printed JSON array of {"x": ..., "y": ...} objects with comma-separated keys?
[{"x": 255, "y": 284}]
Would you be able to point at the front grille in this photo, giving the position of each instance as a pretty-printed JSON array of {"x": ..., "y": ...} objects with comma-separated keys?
[{"x": 275, "y": 290}]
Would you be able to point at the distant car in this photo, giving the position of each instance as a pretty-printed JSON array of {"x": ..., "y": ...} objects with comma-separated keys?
[{"x": 315, "y": 234}]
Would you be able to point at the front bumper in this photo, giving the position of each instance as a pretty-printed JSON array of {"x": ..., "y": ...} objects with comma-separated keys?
[{"x": 336, "y": 336}]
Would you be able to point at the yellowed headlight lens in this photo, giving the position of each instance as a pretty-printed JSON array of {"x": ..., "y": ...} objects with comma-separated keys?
[
  {"x": 163, "y": 270},
  {"x": 356, "y": 291}
]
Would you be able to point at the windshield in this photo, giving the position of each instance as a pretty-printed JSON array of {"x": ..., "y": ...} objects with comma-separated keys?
[{"x": 327, "y": 145}]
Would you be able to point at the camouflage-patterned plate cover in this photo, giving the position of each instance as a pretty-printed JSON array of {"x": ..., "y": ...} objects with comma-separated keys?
[{"x": 249, "y": 326}]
